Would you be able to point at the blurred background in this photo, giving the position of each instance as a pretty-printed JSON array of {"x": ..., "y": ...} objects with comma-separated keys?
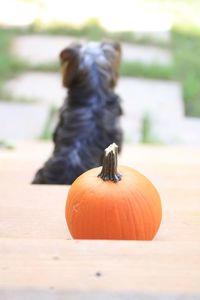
[{"x": 160, "y": 70}]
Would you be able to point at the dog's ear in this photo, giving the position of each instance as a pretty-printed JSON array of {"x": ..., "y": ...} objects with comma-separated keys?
[
  {"x": 69, "y": 58},
  {"x": 70, "y": 52},
  {"x": 117, "y": 47},
  {"x": 66, "y": 54},
  {"x": 113, "y": 53}
]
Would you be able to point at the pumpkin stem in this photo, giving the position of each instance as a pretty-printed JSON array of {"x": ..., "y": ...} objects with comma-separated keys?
[{"x": 109, "y": 168}]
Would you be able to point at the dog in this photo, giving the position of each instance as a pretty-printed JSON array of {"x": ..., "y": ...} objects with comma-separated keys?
[{"x": 89, "y": 119}]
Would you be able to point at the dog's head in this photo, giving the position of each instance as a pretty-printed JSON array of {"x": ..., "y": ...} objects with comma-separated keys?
[{"x": 90, "y": 63}]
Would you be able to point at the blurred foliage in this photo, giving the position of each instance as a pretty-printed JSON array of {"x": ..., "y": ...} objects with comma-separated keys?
[
  {"x": 185, "y": 47},
  {"x": 46, "y": 67},
  {"x": 7, "y": 145},
  {"x": 9, "y": 64},
  {"x": 146, "y": 129},
  {"x": 147, "y": 136},
  {"x": 7, "y": 95},
  {"x": 50, "y": 123},
  {"x": 93, "y": 30},
  {"x": 153, "y": 70}
]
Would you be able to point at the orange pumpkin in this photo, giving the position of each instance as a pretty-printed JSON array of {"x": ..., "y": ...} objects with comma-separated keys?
[{"x": 107, "y": 204}]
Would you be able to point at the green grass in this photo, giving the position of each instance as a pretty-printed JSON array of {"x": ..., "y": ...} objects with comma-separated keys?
[
  {"x": 185, "y": 46},
  {"x": 154, "y": 71},
  {"x": 46, "y": 67},
  {"x": 50, "y": 122},
  {"x": 9, "y": 64},
  {"x": 6, "y": 95},
  {"x": 7, "y": 145},
  {"x": 147, "y": 136},
  {"x": 92, "y": 30},
  {"x": 186, "y": 49}
]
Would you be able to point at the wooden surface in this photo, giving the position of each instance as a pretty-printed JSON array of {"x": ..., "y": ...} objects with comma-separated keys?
[{"x": 38, "y": 259}]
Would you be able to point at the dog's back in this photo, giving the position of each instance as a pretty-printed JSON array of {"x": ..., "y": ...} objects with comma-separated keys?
[{"x": 89, "y": 117}]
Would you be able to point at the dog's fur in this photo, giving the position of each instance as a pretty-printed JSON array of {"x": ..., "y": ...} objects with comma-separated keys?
[{"x": 89, "y": 117}]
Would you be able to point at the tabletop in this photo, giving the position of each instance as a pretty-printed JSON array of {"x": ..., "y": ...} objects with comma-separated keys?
[{"x": 39, "y": 259}]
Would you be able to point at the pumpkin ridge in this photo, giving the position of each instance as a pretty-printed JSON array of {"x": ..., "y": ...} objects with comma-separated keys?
[
  {"x": 81, "y": 196},
  {"x": 154, "y": 221},
  {"x": 124, "y": 216},
  {"x": 143, "y": 215},
  {"x": 145, "y": 201},
  {"x": 130, "y": 204}
]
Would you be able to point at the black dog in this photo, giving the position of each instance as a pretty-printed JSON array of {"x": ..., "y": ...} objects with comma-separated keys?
[{"x": 89, "y": 117}]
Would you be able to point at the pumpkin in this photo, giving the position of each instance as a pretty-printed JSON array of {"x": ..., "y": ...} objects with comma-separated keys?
[{"x": 113, "y": 204}]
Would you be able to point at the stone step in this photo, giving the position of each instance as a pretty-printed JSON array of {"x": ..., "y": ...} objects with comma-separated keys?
[
  {"x": 190, "y": 131},
  {"x": 21, "y": 121},
  {"x": 146, "y": 54},
  {"x": 160, "y": 101},
  {"x": 43, "y": 87},
  {"x": 38, "y": 49}
]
